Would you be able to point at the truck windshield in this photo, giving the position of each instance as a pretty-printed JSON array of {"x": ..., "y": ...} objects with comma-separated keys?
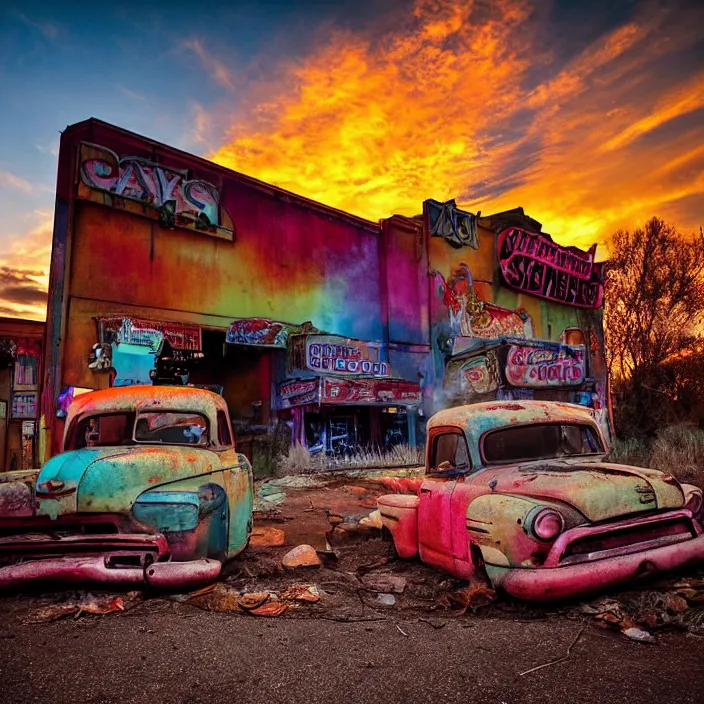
[
  {"x": 129, "y": 428},
  {"x": 105, "y": 430},
  {"x": 171, "y": 428},
  {"x": 539, "y": 441}
]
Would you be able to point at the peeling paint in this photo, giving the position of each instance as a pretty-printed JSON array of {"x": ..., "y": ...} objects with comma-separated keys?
[
  {"x": 552, "y": 527},
  {"x": 193, "y": 501}
]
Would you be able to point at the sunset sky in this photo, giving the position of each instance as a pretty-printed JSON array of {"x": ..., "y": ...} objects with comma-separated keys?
[{"x": 588, "y": 114}]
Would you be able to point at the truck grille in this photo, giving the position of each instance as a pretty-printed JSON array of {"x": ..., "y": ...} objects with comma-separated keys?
[{"x": 622, "y": 538}]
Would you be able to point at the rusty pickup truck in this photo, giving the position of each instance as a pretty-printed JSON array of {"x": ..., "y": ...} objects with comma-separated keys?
[
  {"x": 148, "y": 490},
  {"x": 520, "y": 493}
]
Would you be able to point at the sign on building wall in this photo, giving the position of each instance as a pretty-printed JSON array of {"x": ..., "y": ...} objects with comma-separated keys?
[
  {"x": 24, "y": 405},
  {"x": 539, "y": 367},
  {"x": 149, "y": 333},
  {"x": 372, "y": 391},
  {"x": 532, "y": 263},
  {"x": 258, "y": 331},
  {"x": 148, "y": 188},
  {"x": 336, "y": 355},
  {"x": 446, "y": 220},
  {"x": 299, "y": 392},
  {"x": 475, "y": 376}
]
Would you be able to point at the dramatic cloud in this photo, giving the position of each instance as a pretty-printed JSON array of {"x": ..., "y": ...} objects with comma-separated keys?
[
  {"x": 464, "y": 100},
  {"x": 24, "y": 270},
  {"x": 21, "y": 288}
]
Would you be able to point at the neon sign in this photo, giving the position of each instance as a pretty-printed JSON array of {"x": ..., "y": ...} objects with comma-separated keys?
[{"x": 532, "y": 263}]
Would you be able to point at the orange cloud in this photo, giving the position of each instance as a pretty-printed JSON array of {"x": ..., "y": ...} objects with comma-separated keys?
[
  {"x": 24, "y": 270},
  {"x": 447, "y": 105}
]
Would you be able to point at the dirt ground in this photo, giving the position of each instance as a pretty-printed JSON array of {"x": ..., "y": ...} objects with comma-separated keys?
[{"x": 371, "y": 627}]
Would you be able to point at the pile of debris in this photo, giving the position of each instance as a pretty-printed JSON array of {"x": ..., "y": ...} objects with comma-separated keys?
[{"x": 677, "y": 604}]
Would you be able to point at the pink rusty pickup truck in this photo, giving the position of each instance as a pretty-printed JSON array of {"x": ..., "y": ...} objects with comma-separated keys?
[{"x": 519, "y": 492}]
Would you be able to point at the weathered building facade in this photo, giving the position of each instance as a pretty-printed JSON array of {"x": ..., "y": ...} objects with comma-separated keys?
[
  {"x": 167, "y": 268},
  {"x": 21, "y": 356}
]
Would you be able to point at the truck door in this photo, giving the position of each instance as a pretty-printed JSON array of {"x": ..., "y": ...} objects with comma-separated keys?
[
  {"x": 237, "y": 476},
  {"x": 447, "y": 459}
]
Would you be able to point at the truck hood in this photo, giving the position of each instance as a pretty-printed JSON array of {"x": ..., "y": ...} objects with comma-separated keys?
[
  {"x": 599, "y": 490},
  {"x": 109, "y": 479}
]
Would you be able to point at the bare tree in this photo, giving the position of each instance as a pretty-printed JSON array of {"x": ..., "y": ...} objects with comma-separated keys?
[
  {"x": 654, "y": 307},
  {"x": 654, "y": 296}
]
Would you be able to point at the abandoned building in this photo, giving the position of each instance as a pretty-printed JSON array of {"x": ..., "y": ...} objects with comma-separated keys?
[
  {"x": 21, "y": 357},
  {"x": 167, "y": 268}
]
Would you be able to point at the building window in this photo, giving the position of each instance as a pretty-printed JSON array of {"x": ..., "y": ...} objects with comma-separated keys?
[{"x": 26, "y": 370}]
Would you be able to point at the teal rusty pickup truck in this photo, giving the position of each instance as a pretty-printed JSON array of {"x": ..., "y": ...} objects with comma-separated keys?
[{"x": 148, "y": 490}]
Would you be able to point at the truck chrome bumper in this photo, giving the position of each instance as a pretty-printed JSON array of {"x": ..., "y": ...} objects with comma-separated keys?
[
  {"x": 579, "y": 579},
  {"x": 121, "y": 558},
  {"x": 160, "y": 575}
]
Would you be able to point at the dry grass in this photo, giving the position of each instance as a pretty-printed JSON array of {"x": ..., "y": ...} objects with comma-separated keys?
[
  {"x": 299, "y": 460},
  {"x": 677, "y": 449}
]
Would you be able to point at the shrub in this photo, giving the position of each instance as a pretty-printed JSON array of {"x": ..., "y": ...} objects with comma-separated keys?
[
  {"x": 299, "y": 460},
  {"x": 676, "y": 449},
  {"x": 679, "y": 449}
]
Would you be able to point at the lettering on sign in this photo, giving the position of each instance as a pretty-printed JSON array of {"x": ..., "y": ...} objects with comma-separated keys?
[
  {"x": 170, "y": 195},
  {"x": 370, "y": 391},
  {"x": 340, "y": 356},
  {"x": 299, "y": 392},
  {"x": 531, "y": 262},
  {"x": 536, "y": 367}
]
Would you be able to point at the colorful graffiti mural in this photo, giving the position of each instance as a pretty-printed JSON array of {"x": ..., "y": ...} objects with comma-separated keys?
[
  {"x": 258, "y": 331},
  {"x": 446, "y": 220},
  {"x": 535, "y": 367},
  {"x": 481, "y": 374},
  {"x": 472, "y": 317},
  {"x": 474, "y": 376},
  {"x": 531, "y": 262},
  {"x": 174, "y": 198},
  {"x": 364, "y": 391},
  {"x": 100, "y": 359},
  {"x": 358, "y": 279}
]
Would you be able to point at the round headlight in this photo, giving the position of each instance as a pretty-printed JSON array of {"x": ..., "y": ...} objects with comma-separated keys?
[{"x": 548, "y": 524}]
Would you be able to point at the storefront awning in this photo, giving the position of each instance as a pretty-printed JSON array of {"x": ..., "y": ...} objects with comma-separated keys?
[
  {"x": 331, "y": 390},
  {"x": 149, "y": 333},
  {"x": 262, "y": 332}
]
